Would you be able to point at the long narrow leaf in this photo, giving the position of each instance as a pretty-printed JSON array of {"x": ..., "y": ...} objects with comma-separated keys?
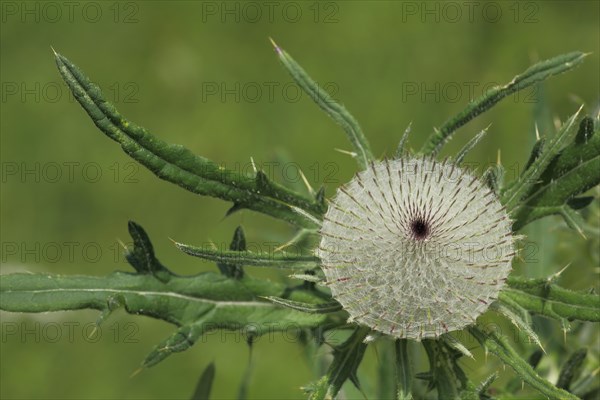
[
  {"x": 321, "y": 308},
  {"x": 532, "y": 75},
  {"x": 335, "y": 110},
  {"x": 198, "y": 304},
  {"x": 204, "y": 385},
  {"x": 498, "y": 346},
  {"x": 176, "y": 164},
  {"x": 274, "y": 260}
]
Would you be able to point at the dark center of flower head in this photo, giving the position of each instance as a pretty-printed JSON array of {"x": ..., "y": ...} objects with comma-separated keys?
[{"x": 419, "y": 228}]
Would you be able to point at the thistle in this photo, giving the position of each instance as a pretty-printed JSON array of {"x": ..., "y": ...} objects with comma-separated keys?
[
  {"x": 415, "y": 248},
  {"x": 411, "y": 249}
]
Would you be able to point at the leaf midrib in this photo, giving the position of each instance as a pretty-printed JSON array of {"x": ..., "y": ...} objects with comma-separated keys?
[{"x": 217, "y": 303}]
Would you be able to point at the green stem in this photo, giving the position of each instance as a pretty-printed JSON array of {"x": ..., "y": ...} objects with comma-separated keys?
[{"x": 403, "y": 370}]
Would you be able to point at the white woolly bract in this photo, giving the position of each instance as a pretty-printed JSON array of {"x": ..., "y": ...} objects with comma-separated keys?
[{"x": 415, "y": 248}]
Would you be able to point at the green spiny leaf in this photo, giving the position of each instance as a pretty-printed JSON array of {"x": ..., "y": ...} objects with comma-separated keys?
[
  {"x": 265, "y": 259},
  {"x": 320, "y": 196},
  {"x": 532, "y": 75},
  {"x": 572, "y": 171},
  {"x": 586, "y": 130},
  {"x": 322, "y": 308},
  {"x": 335, "y": 110},
  {"x": 266, "y": 187},
  {"x": 538, "y": 147},
  {"x": 177, "y": 301},
  {"x": 545, "y": 298},
  {"x": 523, "y": 324},
  {"x": 401, "y": 150},
  {"x": 178, "y": 165},
  {"x": 346, "y": 359},
  {"x": 469, "y": 146},
  {"x": 142, "y": 257},
  {"x": 494, "y": 177},
  {"x": 238, "y": 243},
  {"x": 446, "y": 375},
  {"x": 198, "y": 304},
  {"x": 184, "y": 338},
  {"x": 455, "y": 344},
  {"x": 517, "y": 190},
  {"x": 573, "y": 219},
  {"x": 578, "y": 152},
  {"x": 499, "y": 346},
  {"x": 483, "y": 387}
]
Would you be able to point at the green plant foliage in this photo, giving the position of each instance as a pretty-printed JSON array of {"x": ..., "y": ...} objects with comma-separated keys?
[
  {"x": 196, "y": 304},
  {"x": 499, "y": 346},
  {"x": 178, "y": 165},
  {"x": 249, "y": 258},
  {"x": 238, "y": 243},
  {"x": 404, "y": 370},
  {"x": 445, "y": 374},
  {"x": 559, "y": 172},
  {"x": 567, "y": 173},
  {"x": 335, "y": 110},
  {"x": 531, "y": 76},
  {"x": 346, "y": 359},
  {"x": 543, "y": 297},
  {"x": 205, "y": 382},
  {"x": 570, "y": 369}
]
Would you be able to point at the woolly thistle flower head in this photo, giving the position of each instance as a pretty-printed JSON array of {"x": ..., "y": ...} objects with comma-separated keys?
[{"x": 415, "y": 248}]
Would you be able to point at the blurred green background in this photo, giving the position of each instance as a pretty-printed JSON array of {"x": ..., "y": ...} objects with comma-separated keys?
[{"x": 204, "y": 75}]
